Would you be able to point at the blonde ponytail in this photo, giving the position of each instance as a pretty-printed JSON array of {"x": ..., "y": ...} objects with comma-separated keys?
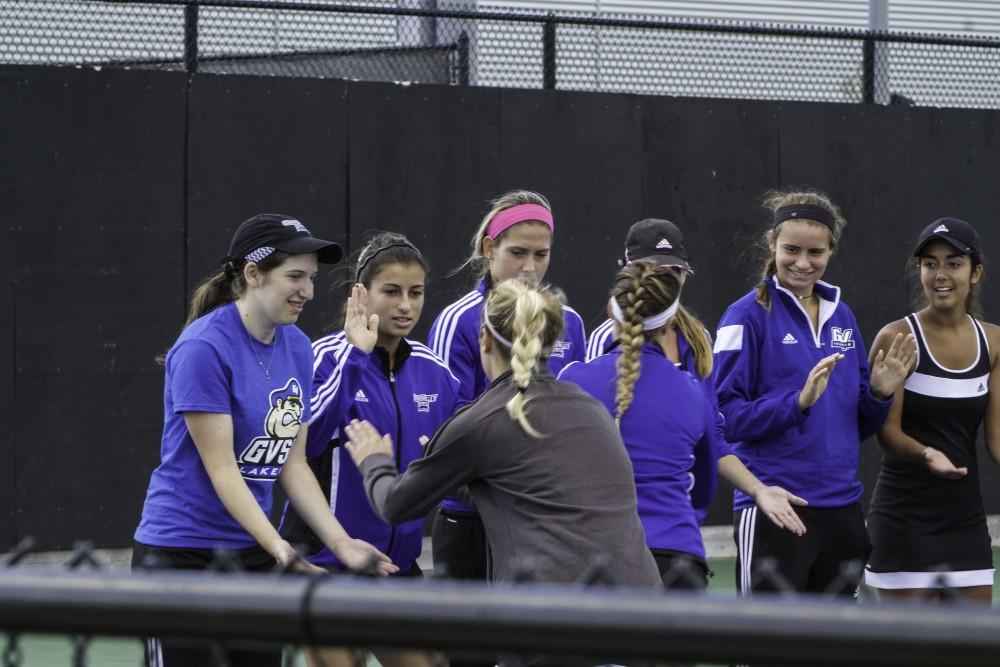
[
  {"x": 531, "y": 318},
  {"x": 694, "y": 333}
]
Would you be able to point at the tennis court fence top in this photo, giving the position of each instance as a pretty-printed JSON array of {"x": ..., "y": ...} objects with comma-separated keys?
[{"x": 453, "y": 43}]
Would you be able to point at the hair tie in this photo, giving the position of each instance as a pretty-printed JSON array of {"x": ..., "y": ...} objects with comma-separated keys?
[{"x": 522, "y": 390}]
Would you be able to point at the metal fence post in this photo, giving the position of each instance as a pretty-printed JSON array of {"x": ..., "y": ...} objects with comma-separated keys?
[
  {"x": 191, "y": 37},
  {"x": 463, "y": 59},
  {"x": 868, "y": 71},
  {"x": 549, "y": 53}
]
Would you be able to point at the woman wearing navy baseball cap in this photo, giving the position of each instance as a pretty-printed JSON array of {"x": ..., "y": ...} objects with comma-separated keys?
[
  {"x": 927, "y": 522},
  {"x": 794, "y": 384},
  {"x": 236, "y": 400}
]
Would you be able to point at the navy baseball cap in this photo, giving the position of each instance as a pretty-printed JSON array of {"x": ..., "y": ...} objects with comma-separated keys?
[
  {"x": 264, "y": 233},
  {"x": 958, "y": 233},
  {"x": 657, "y": 240}
]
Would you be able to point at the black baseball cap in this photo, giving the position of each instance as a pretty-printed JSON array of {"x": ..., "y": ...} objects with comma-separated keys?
[
  {"x": 656, "y": 240},
  {"x": 958, "y": 233},
  {"x": 280, "y": 232}
]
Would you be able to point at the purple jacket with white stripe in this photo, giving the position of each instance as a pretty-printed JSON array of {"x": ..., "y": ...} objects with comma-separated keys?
[
  {"x": 762, "y": 359},
  {"x": 454, "y": 337},
  {"x": 413, "y": 400}
]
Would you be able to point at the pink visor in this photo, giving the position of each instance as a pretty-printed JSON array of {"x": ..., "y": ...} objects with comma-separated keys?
[{"x": 521, "y": 213}]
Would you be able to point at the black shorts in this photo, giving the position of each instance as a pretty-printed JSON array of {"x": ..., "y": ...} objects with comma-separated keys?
[
  {"x": 813, "y": 563},
  {"x": 177, "y": 652},
  {"x": 458, "y": 545}
]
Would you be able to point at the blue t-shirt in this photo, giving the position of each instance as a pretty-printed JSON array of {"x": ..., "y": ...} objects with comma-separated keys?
[{"x": 216, "y": 366}]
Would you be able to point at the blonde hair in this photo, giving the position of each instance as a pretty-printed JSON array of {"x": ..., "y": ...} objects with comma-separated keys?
[
  {"x": 505, "y": 201},
  {"x": 531, "y": 318},
  {"x": 642, "y": 289},
  {"x": 775, "y": 199}
]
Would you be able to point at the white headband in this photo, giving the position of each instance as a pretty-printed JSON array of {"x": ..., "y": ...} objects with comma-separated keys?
[
  {"x": 650, "y": 323},
  {"x": 496, "y": 334}
]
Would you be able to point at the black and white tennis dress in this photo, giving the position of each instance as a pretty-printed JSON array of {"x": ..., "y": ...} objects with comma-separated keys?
[{"x": 923, "y": 526}]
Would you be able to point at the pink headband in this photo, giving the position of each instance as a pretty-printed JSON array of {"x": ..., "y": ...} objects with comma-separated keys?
[{"x": 509, "y": 217}]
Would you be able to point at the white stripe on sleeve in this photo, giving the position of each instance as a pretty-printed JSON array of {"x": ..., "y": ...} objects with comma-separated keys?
[{"x": 729, "y": 339}]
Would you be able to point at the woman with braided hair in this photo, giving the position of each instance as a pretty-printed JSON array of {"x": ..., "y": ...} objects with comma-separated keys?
[
  {"x": 553, "y": 485},
  {"x": 672, "y": 450}
]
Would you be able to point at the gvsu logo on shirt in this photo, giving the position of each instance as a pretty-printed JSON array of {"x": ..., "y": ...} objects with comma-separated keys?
[
  {"x": 262, "y": 459},
  {"x": 561, "y": 348},
  {"x": 424, "y": 401},
  {"x": 842, "y": 339}
]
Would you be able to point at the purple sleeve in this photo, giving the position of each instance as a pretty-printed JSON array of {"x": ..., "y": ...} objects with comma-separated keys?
[
  {"x": 198, "y": 380},
  {"x": 337, "y": 372},
  {"x": 705, "y": 469},
  {"x": 460, "y": 351},
  {"x": 748, "y": 415},
  {"x": 577, "y": 336}
]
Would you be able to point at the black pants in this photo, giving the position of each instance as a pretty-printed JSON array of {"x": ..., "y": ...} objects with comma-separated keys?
[
  {"x": 458, "y": 545},
  {"x": 812, "y": 563},
  {"x": 179, "y": 652},
  {"x": 680, "y": 571}
]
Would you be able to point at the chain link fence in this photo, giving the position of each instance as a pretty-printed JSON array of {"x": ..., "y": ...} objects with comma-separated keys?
[{"x": 430, "y": 41}]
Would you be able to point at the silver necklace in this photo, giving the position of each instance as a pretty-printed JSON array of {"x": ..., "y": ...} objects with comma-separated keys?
[
  {"x": 807, "y": 296},
  {"x": 253, "y": 348}
]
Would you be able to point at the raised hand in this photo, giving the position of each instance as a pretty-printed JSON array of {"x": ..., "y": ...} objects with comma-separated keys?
[
  {"x": 360, "y": 330},
  {"x": 889, "y": 369},
  {"x": 365, "y": 440},
  {"x": 816, "y": 382}
]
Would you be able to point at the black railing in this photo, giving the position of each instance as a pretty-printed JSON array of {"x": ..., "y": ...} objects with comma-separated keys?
[
  {"x": 438, "y": 42},
  {"x": 591, "y": 620}
]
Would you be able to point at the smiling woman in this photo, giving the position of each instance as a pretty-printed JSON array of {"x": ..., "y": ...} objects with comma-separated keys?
[
  {"x": 927, "y": 520},
  {"x": 793, "y": 383},
  {"x": 236, "y": 398}
]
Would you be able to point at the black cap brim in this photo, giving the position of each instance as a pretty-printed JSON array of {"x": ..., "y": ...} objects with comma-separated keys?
[
  {"x": 963, "y": 248},
  {"x": 327, "y": 252}
]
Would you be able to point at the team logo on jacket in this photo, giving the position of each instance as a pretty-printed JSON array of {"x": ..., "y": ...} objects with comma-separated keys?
[
  {"x": 842, "y": 339},
  {"x": 262, "y": 459},
  {"x": 424, "y": 401},
  {"x": 561, "y": 348}
]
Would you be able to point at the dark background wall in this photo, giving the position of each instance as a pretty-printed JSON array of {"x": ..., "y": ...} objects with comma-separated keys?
[{"x": 121, "y": 190}]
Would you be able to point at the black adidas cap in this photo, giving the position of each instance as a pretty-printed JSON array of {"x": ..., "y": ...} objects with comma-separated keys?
[
  {"x": 264, "y": 233},
  {"x": 656, "y": 240},
  {"x": 958, "y": 233}
]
